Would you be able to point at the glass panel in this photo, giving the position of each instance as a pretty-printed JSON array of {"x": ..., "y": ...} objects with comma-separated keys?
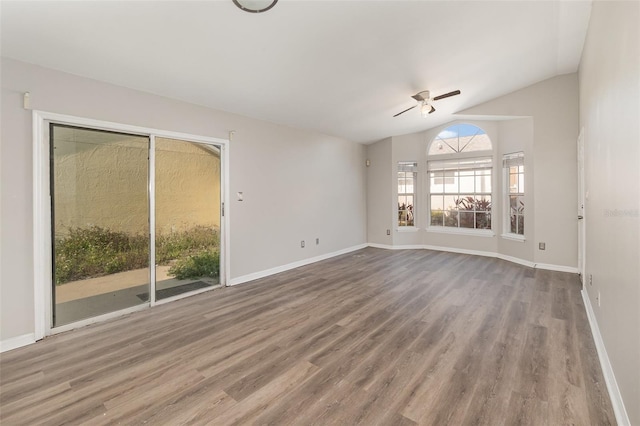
[
  {"x": 483, "y": 203},
  {"x": 516, "y": 203},
  {"x": 479, "y": 142},
  {"x": 437, "y": 218},
  {"x": 437, "y": 182},
  {"x": 405, "y": 210},
  {"x": 514, "y": 223},
  {"x": 483, "y": 220},
  {"x": 401, "y": 182},
  {"x": 443, "y": 146},
  {"x": 450, "y": 202},
  {"x": 100, "y": 222},
  {"x": 451, "y": 218},
  {"x": 451, "y": 182},
  {"x": 520, "y": 224},
  {"x": 437, "y": 202},
  {"x": 483, "y": 183},
  {"x": 460, "y": 138},
  {"x": 467, "y": 220},
  {"x": 467, "y": 181},
  {"x": 521, "y": 182},
  {"x": 187, "y": 217},
  {"x": 513, "y": 183}
]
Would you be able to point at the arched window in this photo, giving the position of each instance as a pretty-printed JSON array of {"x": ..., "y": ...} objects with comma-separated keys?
[{"x": 460, "y": 167}]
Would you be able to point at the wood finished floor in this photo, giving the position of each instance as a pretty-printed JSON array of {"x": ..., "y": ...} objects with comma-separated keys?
[{"x": 371, "y": 337}]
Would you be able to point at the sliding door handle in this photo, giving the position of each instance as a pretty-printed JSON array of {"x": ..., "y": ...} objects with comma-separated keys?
[{"x": 580, "y": 217}]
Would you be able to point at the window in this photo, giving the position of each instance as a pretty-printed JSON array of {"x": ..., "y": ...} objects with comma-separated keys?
[
  {"x": 513, "y": 165},
  {"x": 460, "y": 193},
  {"x": 460, "y": 138},
  {"x": 407, "y": 177},
  {"x": 460, "y": 167}
]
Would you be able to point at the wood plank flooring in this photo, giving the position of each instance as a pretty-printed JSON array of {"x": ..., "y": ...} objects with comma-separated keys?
[{"x": 373, "y": 337}]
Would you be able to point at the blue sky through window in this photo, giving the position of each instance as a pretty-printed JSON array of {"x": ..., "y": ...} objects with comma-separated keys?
[{"x": 460, "y": 130}]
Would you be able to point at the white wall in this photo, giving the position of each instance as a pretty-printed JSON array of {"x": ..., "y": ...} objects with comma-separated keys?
[
  {"x": 297, "y": 185},
  {"x": 513, "y": 136},
  {"x": 553, "y": 106},
  {"x": 610, "y": 115},
  {"x": 379, "y": 189}
]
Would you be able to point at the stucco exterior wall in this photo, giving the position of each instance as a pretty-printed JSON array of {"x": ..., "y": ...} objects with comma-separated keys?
[{"x": 102, "y": 179}]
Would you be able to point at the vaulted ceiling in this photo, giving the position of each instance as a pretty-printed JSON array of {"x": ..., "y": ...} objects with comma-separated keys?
[{"x": 342, "y": 68}]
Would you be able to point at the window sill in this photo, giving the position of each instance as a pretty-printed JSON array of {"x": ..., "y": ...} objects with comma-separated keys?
[
  {"x": 513, "y": 237},
  {"x": 462, "y": 231},
  {"x": 407, "y": 229}
]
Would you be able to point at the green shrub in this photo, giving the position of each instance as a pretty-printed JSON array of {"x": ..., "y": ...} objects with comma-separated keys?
[
  {"x": 203, "y": 264},
  {"x": 95, "y": 251},
  {"x": 180, "y": 244}
]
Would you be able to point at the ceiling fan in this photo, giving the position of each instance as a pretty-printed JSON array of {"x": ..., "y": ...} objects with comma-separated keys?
[{"x": 425, "y": 102}]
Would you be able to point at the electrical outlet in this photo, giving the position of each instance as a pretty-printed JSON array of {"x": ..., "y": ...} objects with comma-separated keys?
[
  {"x": 302, "y": 244},
  {"x": 542, "y": 246},
  {"x": 388, "y": 231},
  {"x": 590, "y": 279},
  {"x": 317, "y": 241}
]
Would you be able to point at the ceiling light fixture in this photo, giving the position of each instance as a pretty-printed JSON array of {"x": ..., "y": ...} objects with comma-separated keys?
[
  {"x": 255, "y": 6},
  {"x": 425, "y": 109}
]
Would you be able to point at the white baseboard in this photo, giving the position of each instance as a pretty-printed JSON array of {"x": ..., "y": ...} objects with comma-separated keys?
[
  {"x": 619, "y": 410},
  {"x": 516, "y": 260},
  {"x": 261, "y": 274},
  {"x": 558, "y": 268},
  {"x": 17, "y": 342},
  {"x": 547, "y": 266},
  {"x": 460, "y": 250}
]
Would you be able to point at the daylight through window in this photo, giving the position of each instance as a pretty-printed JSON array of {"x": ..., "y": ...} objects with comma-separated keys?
[
  {"x": 514, "y": 173},
  {"x": 407, "y": 177},
  {"x": 460, "y": 184}
]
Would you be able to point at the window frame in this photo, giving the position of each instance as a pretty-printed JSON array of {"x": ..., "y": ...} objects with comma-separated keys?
[
  {"x": 509, "y": 160},
  {"x": 406, "y": 167},
  {"x": 487, "y": 155}
]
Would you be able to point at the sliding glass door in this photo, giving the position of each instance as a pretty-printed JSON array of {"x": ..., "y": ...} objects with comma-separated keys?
[
  {"x": 122, "y": 202},
  {"x": 100, "y": 226},
  {"x": 187, "y": 217}
]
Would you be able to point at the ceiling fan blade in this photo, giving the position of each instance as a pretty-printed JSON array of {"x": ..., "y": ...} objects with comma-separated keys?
[
  {"x": 421, "y": 96},
  {"x": 432, "y": 109},
  {"x": 446, "y": 95},
  {"x": 402, "y": 112}
]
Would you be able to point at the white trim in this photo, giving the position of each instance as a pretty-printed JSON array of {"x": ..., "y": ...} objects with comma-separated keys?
[
  {"x": 557, "y": 268},
  {"x": 513, "y": 237},
  {"x": 517, "y": 260},
  {"x": 151, "y": 199},
  {"x": 386, "y": 246},
  {"x": 41, "y": 239},
  {"x": 99, "y": 318},
  {"x": 461, "y": 251},
  {"x": 461, "y": 231},
  {"x": 622, "y": 418},
  {"x": 225, "y": 262},
  {"x": 407, "y": 229},
  {"x": 261, "y": 274},
  {"x": 185, "y": 295},
  {"x": 528, "y": 263},
  {"x": 17, "y": 342}
]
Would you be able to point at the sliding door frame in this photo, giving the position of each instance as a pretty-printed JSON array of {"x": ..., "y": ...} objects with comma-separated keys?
[{"x": 42, "y": 223}]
